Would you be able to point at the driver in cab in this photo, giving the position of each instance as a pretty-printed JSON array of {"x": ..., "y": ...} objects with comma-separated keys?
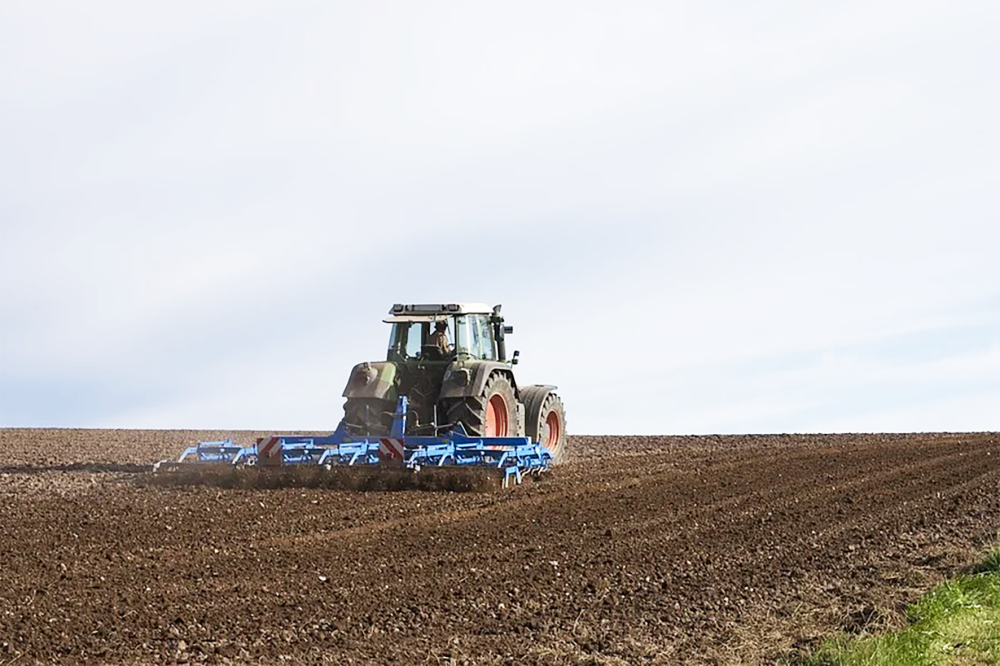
[{"x": 439, "y": 338}]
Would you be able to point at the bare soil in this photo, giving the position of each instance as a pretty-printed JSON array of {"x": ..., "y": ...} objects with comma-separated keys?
[{"x": 655, "y": 550}]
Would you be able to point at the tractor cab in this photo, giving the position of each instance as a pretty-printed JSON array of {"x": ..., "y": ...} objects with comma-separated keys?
[{"x": 470, "y": 329}]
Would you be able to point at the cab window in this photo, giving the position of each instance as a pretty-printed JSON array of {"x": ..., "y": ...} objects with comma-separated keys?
[
  {"x": 475, "y": 337},
  {"x": 486, "y": 347},
  {"x": 461, "y": 335},
  {"x": 407, "y": 338},
  {"x": 475, "y": 342}
]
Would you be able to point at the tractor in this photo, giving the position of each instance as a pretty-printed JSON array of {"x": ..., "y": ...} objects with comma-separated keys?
[
  {"x": 445, "y": 397},
  {"x": 450, "y": 361}
]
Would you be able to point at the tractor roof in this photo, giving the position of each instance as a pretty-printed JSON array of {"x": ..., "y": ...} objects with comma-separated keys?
[{"x": 433, "y": 311}]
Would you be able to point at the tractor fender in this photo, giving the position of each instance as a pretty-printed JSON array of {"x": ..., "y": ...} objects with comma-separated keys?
[
  {"x": 468, "y": 378},
  {"x": 372, "y": 380}
]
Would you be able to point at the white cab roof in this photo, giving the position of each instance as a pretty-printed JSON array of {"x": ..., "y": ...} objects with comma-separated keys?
[{"x": 433, "y": 311}]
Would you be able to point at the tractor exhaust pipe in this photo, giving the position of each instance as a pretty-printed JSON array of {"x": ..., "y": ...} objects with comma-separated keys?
[{"x": 499, "y": 331}]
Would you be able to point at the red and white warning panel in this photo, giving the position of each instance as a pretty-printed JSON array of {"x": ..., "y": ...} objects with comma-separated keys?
[
  {"x": 390, "y": 451},
  {"x": 269, "y": 451}
]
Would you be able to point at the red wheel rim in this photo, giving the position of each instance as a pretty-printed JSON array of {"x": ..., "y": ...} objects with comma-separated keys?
[
  {"x": 496, "y": 417},
  {"x": 555, "y": 430}
]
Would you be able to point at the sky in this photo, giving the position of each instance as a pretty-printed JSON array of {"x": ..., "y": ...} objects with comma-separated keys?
[{"x": 700, "y": 217}]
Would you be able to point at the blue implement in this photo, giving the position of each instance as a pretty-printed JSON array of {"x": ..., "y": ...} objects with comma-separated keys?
[
  {"x": 514, "y": 457},
  {"x": 222, "y": 451}
]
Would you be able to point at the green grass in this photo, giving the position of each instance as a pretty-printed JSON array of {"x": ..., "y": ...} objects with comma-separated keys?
[{"x": 957, "y": 623}]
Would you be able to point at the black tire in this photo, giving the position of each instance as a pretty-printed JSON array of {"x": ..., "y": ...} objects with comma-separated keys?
[
  {"x": 471, "y": 411},
  {"x": 368, "y": 416},
  {"x": 546, "y": 420}
]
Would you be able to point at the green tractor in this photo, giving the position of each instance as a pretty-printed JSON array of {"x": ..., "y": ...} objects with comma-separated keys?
[{"x": 450, "y": 360}]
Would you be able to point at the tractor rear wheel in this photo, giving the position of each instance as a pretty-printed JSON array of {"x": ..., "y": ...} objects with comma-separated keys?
[
  {"x": 492, "y": 414},
  {"x": 368, "y": 416}
]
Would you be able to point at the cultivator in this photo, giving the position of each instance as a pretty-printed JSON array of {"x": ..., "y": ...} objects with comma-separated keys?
[{"x": 512, "y": 457}]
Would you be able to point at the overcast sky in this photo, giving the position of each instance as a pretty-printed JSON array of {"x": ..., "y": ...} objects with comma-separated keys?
[{"x": 701, "y": 217}]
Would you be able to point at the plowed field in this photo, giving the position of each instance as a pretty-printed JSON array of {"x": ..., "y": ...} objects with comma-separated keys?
[{"x": 637, "y": 550}]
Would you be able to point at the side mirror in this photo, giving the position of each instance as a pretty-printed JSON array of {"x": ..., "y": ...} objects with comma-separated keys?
[
  {"x": 513, "y": 359},
  {"x": 508, "y": 330}
]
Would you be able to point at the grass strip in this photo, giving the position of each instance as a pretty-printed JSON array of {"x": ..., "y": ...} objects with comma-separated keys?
[{"x": 957, "y": 623}]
